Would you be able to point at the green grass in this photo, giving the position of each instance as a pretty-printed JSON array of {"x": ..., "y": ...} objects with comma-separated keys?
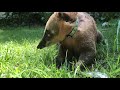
[{"x": 19, "y": 57}]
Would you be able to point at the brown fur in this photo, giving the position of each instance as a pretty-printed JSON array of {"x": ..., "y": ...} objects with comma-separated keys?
[{"x": 82, "y": 45}]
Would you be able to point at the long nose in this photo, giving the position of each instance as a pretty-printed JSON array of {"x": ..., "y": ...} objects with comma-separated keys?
[{"x": 42, "y": 44}]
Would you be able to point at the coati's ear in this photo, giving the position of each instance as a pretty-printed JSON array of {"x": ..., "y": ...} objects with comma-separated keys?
[{"x": 64, "y": 16}]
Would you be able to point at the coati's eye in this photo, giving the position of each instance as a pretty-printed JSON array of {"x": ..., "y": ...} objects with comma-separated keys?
[
  {"x": 53, "y": 32},
  {"x": 48, "y": 35}
]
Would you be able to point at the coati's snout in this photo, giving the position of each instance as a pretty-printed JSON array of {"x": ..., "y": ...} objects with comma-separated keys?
[{"x": 41, "y": 45}]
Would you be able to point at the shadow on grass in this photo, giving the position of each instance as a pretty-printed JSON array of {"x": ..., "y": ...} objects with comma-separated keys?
[{"x": 20, "y": 34}]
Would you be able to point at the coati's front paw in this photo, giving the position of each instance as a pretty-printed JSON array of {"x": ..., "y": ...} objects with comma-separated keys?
[{"x": 59, "y": 62}]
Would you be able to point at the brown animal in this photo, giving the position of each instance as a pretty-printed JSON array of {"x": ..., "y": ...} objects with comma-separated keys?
[{"x": 81, "y": 44}]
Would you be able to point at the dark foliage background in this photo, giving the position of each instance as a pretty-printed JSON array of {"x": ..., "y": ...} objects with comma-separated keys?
[{"x": 15, "y": 19}]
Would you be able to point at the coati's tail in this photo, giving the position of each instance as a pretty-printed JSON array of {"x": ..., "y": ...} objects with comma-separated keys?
[{"x": 100, "y": 38}]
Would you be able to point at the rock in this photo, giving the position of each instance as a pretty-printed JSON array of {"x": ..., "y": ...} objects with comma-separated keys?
[{"x": 97, "y": 74}]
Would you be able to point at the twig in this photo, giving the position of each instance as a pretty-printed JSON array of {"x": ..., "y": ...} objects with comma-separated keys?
[{"x": 118, "y": 34}]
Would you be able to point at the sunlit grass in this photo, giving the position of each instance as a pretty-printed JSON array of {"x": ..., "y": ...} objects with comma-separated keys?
[{"x": 19, "y": 57}]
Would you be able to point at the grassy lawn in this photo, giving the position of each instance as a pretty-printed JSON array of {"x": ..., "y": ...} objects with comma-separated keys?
[{"x": 19, "y": 57}]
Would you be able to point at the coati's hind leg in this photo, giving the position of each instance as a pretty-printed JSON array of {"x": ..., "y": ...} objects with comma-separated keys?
[{"x": 86, "y": 59}]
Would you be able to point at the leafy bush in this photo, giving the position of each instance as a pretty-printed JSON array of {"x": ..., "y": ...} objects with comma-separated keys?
[
  {"x": 24, "y": 18},
  {"x": 105, "y": 16},
  {"x": 40, "y": 18}
]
